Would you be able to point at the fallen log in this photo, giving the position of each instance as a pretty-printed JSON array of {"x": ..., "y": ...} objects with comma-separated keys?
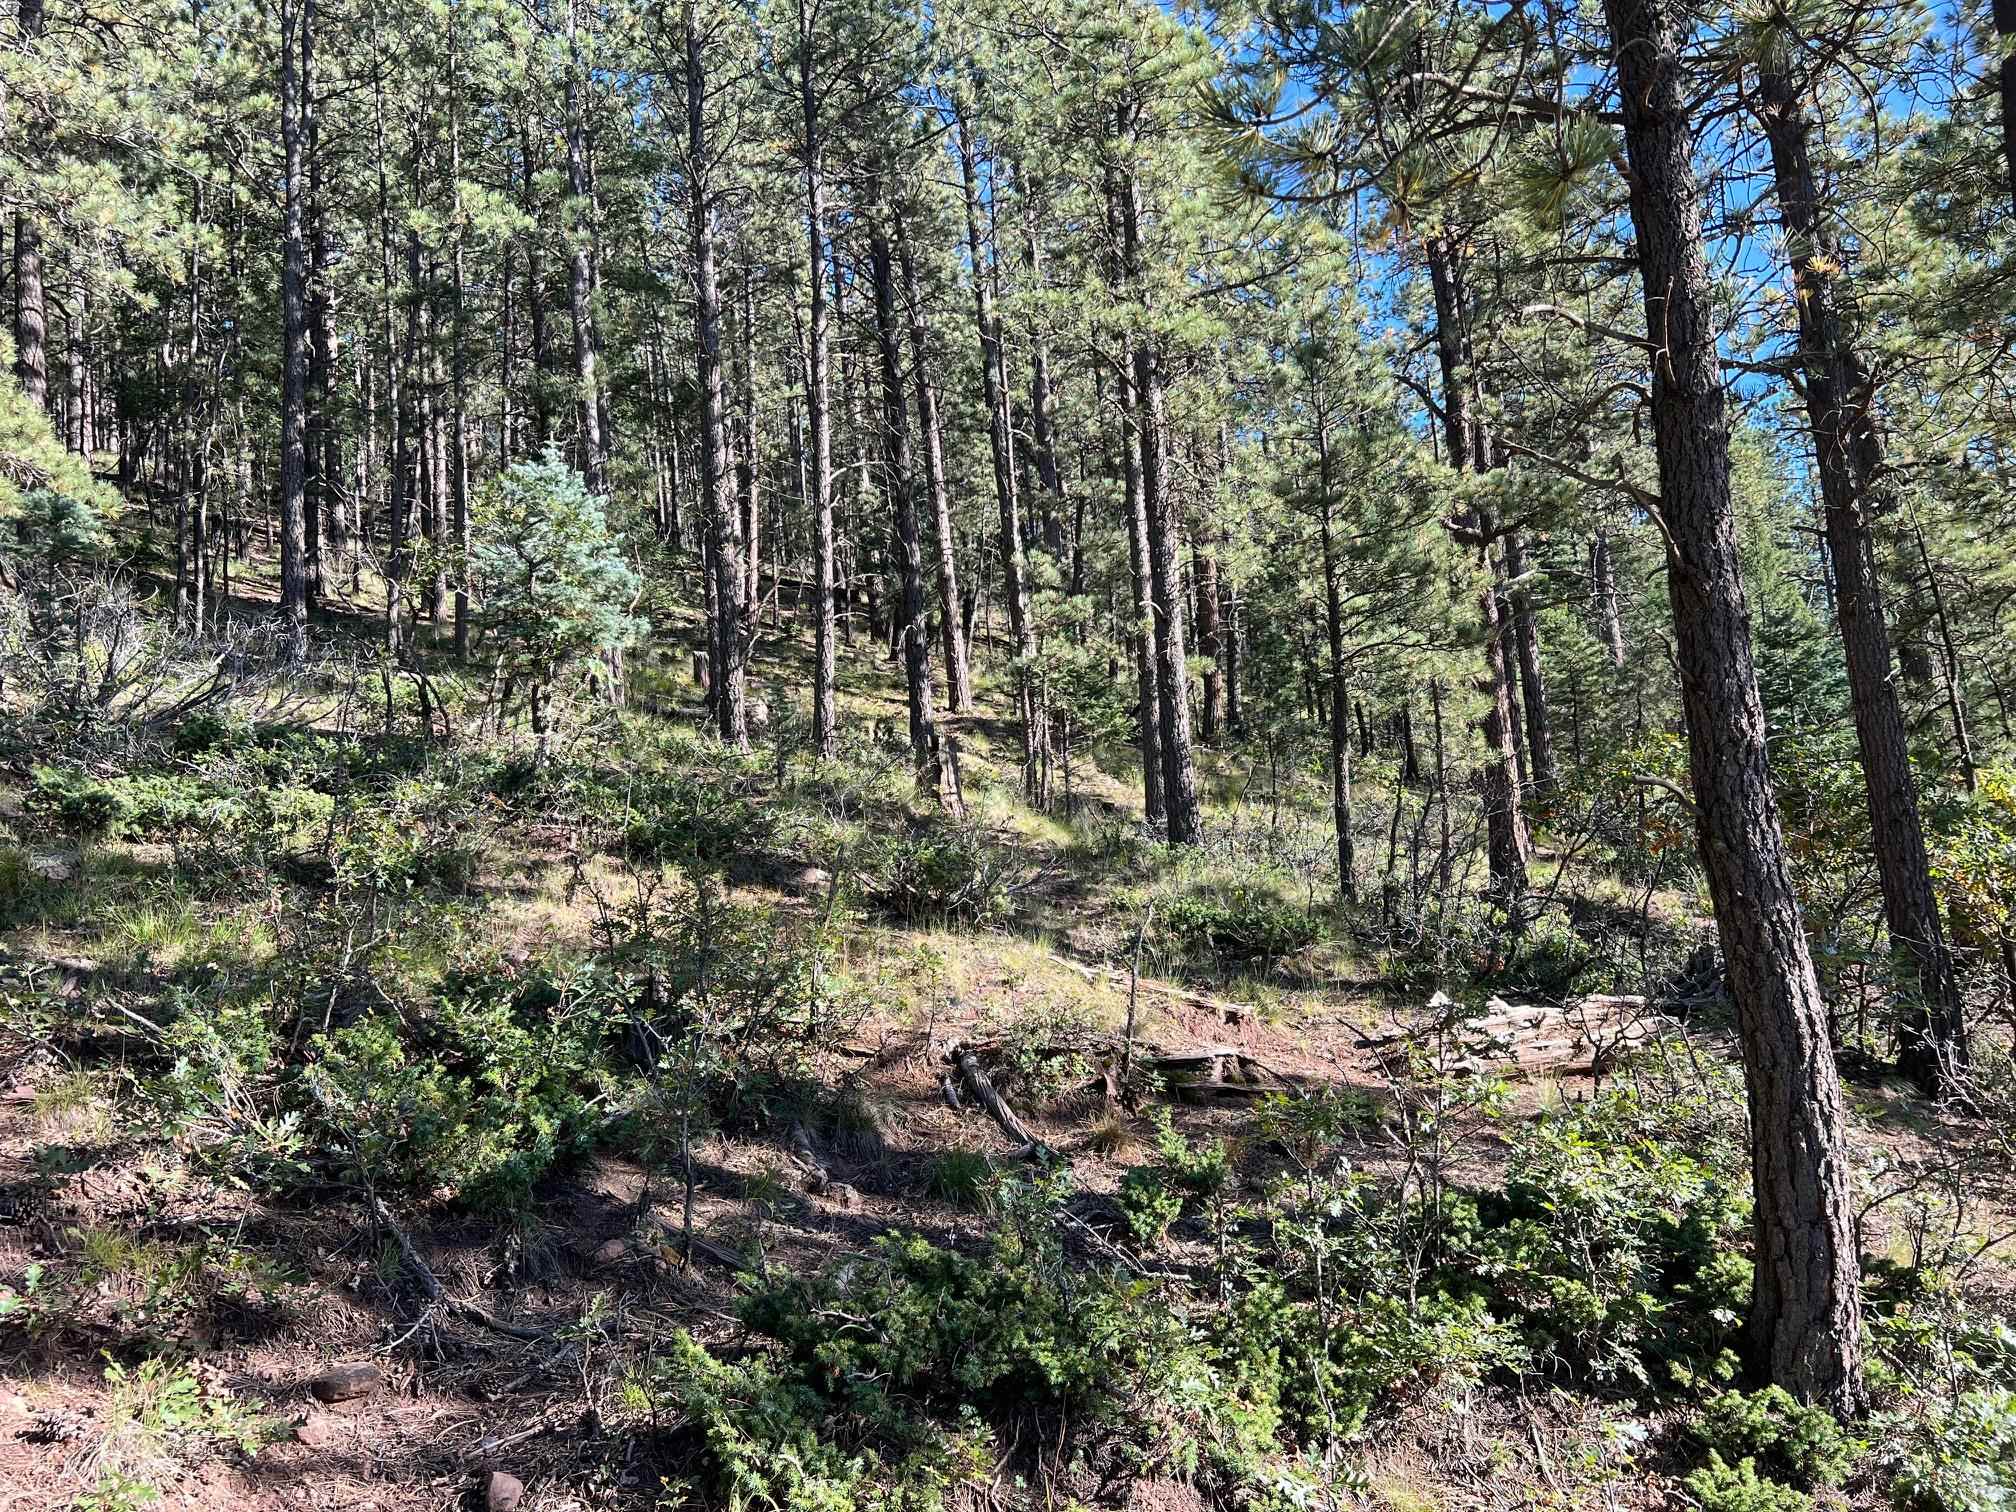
[
  {"x": 1228, "y": 1012},
  {"x": 1587, "y": 1035},
  {"x": 1216, "y": 1071}
]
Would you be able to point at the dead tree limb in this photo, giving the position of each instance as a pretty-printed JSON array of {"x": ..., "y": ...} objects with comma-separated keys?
[{"x": 966, "y": 1067}]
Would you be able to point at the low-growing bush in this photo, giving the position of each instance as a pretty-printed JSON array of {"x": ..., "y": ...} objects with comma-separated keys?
[
  {"x": 1966, "y": 1459},
  {"x": 1244, "y": 925},
  {"x": 682, "y": 819},
  {"x": 1610, "y": 1244},
  {"x": 1803, "y": 1446},
  {"x": 935, "y": 873},
  {"x": 1722, "y": 1487}
]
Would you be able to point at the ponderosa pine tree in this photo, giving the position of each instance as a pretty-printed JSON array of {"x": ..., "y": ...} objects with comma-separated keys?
[
  {"x": 1805, "y": 1311},
  {"x": 1853, "y": 474}
]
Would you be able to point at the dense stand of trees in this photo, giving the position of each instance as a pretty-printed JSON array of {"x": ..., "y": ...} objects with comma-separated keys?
[{"x": 1189, "y": 378}]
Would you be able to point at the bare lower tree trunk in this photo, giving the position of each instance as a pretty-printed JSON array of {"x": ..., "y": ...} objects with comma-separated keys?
[
  {"x": 902, "y": 497},
  {"x": 2005, "y": 81},
  {"x": 1805, "y": 1327},
  {"x": 580, "y": 269},
  {"x": 1014, "y": 575},
  {"x": 1179, "y": 773},
  {"x": 31, "y": 319},
  {"x": 749, "y": 461},
  {"x": 723, "y": 528},
  {"x": 1603, "y": 597},
  {"x": 1204, "y": 579},
  {"x": 1154, "y": 810},
  {"x": 1540, "y": 767},
  {"x": 818, "y": 402},
  {"x": 1504, "y": 822},
  {"x": 1340, "y": 702},
  {"x": 958, "y": 680},
  {"x": 294, "y": 351}
]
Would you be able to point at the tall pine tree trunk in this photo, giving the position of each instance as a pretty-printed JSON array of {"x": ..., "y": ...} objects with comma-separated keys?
[
  {"x": 749, "y": 461},
  {"x": 580, "y": 215},
  {"x": 1172, "y": 684},
  {"x": 1848, "y": 450},
  {"x": 1469, "y": 451},
  {"x": 958, "y": 680},
  {"x": 294, "y": 349},
  {"x": 1805, "y": 1327},
  {"x": 2005, "y": 78},
  {"x": 1603, "y": 597},
  {"x": 901, "y": 488},
  {"x": 1340, "y": 703},
  {"x": 1014, "y": 574},
  {"x": 1540, "y": 768},
  {"x": 31, "y": 319},
  {"x": 316, "y": 486},
  {"x": 818, "y": 400},
  {"x": 723, "y": 528}
]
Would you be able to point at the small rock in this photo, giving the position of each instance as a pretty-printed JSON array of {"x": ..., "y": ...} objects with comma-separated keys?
[
  {"x": 501, "y": 1492},
  {"x": 842, "y": 1196},
  {"x": 54, "y": 868},
  {"x": 343, "y": 1383},
  {"x": 613, "y": 1252},
  {"x": 812, "y": 879},
  {"x": 316, "y": 1431}
]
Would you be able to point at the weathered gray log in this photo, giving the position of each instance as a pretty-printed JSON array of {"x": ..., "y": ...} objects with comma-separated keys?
[{"x": 1587, "y": 1035}]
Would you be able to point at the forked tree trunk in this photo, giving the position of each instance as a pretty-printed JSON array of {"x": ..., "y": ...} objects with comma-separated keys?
[{"x": 1805, "y": 1326}]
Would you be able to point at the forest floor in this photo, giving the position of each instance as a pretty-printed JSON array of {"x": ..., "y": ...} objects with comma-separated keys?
[{"x": 533, "y": 1386}]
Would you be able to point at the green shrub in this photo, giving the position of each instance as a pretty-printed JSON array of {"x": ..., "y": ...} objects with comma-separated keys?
[
  {"x": 936, "y": 873},
  {"x": 1246, "y": 924},
  {"x": 1329, "y": 1367},
  {"x": 1611, "y": 1244},
  {"x": 768, "y": 1440},
  {"x": 24, "y": 892},
  {"x": 483, "y": 1094},
  {"x": 1722, "y": 1487},
  {"x": 1967, "y": 1461},
  {"x": 1804, "y": 1446},
  {"x": 916, "y": 1335},
  {"x": 1147, "y": 1204},
  {"x": 678, "y": 818}
]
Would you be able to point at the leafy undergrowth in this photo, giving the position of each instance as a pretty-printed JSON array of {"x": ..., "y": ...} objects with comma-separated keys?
[{"x": 599, "y": 1101}]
